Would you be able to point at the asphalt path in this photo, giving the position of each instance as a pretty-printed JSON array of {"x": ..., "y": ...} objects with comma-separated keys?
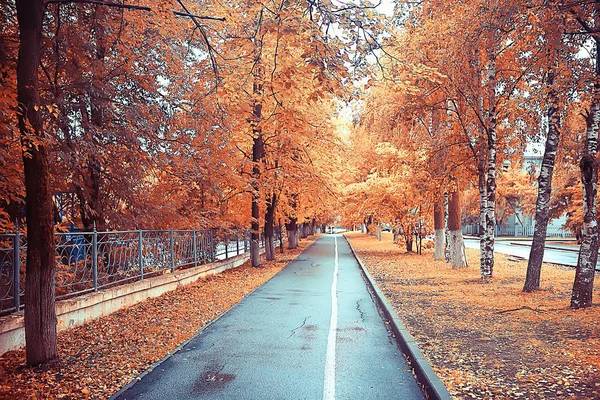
[
  {"x": 311, "y": 332},
  {"x": 553, "y": 253}
]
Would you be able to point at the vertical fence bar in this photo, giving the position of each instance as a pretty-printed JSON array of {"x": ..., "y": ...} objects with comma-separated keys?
[
  {"x": 212, "y": 244},
  {"x": 237, "y": 244},
  {"x": 226, "y": 247},
  {"x": 17, "y": 271},
  {"x": 140, "y": 255},
  {"x": 95, "y": 258},
  {"x": 195, "y": 247},
  {"x": 172, "y": 245}
]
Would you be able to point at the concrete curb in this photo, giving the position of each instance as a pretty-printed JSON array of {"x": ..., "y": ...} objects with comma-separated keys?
[
  {"x": 426, "y": 376},
  {"x": 157, "y": 364}
]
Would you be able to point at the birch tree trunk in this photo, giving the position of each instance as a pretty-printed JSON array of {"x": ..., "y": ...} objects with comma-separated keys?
[
  {"x": 583, "y": 285},
  {"x": 487, "y": 251},
  {"x": 40, "y": 314},
  {"x": 457, "y": 255},
  {"x": 438, "y": 224},
  {"x": 447, "y": 250},
  {"x": 542, "y": 205}
]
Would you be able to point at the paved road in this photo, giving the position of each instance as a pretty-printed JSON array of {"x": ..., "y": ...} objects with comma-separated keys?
[
  {"x": 554, "y": 253},
  {"x": 308, "y": 333}
]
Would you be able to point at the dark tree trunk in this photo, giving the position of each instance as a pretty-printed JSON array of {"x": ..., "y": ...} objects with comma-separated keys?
[
  {"x": 280, "y": 231},
  {"x": 583, "y": 285},
  {"x": 303, "y": 230},
  {"x": 542, "y": 205},
  {"x": 269, "y": 229},
  {"x": 409, "y": 243},
  {"x": 89, "y": 198},
  {"x": 438, "y": 224},
  {"x": 292, "y": 233},
  {"x": 40, "y": 314},
  {"x": 257, "y": 155}
]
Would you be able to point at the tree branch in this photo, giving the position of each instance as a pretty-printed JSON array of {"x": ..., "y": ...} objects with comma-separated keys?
[
  {"x": 102, "y": 3},
  {"x": 133, "y": 7},
  {"x": 183, "y": 14}
]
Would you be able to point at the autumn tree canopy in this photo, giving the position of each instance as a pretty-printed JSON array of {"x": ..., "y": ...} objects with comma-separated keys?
[{"x": 187, "y": 114}]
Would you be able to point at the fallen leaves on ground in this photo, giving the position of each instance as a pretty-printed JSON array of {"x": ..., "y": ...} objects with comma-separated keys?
[
  {"x": 100, "y": 357},
  {"x": 488, "y": 339}
]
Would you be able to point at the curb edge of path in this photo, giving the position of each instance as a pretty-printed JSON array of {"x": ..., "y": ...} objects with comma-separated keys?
[
  {"x": 170, "y": 354},
  {"x": 426, "y": 376}
]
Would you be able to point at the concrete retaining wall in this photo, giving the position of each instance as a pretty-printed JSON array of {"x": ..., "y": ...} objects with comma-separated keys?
[{"x": 81, "y": 309}]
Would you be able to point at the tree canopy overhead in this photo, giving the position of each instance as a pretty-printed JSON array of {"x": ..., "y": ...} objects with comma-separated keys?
[{"x": 199, "y": 114}]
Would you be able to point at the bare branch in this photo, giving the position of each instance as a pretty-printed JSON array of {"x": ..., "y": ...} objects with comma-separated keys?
[
  {"x": 102, "y": 3},
  {"x": 182, "y": 14}
]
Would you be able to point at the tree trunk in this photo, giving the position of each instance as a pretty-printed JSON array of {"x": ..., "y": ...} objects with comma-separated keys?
[
  {"x": 583, "y": 285},
  {"x": 292, "y": 233},
  {"x": 409, "y": 243},
  {"x": 269, "y": 228},
  {"x": 457, "y": 255},
  {"x": 302, "y": 232},
  {"x": 368, "y": 222},
  {"x": 257, "y": 155},
  {"x": 483, "y": 238},
  {"x": 542, "y": 205},
  {"x": 487, "y": 254},
  {"x": 446, "y": 230},
  {"x": 40, "y": 314},
  {"x": 438, "y": 225},
  {"x": 280, "y": 232}
]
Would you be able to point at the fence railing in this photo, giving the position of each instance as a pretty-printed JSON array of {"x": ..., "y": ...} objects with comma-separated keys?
[
  {"x": 517, "y": 231},
  {"x": 88, "y": 261}
]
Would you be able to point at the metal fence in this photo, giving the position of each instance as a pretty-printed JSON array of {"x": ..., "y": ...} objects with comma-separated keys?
[
  {"x": 88, "y": 261},
  {"x": 517, "y": 231}
]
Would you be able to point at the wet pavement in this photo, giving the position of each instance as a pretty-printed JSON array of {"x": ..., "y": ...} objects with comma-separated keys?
[{"x": 281, "y": 341}]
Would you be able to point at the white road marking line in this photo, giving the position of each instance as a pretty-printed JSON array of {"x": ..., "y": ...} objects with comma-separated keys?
[{"x": 329, "y": 387}]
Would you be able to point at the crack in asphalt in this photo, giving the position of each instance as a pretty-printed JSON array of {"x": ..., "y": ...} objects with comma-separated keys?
[
  {"x": 362, "y": 314},
  {"x": 295, "y": 329},
  {"x": 300, "y": 269}
]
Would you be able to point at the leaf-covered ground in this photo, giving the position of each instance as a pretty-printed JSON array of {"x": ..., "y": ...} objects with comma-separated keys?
[
  {"x": 490, "y": 340},
  {"x": 97, "y": 359}
]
